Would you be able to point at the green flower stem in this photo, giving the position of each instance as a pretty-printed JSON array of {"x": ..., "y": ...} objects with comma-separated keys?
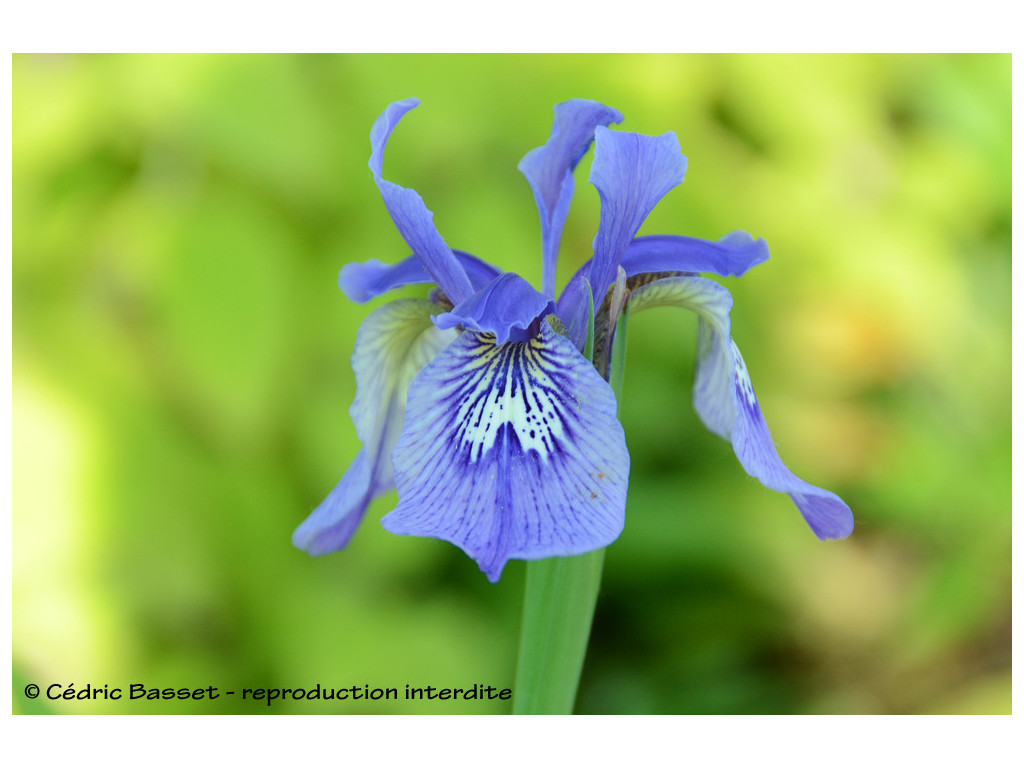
[
  {"x": 561, "y": 593},
  {"x": 558, "y": 609}
]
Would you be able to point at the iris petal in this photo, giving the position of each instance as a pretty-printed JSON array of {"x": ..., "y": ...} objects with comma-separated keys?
[
  {"x": 333, "y": 523},
  {"x": 725, "y": 400},
  {"x": 411, "y": 215},
  {"x": 511, "y": 451},
  {"x": 394, "y": 342},
  {"x": 573, "y": 305},
  {"x": 506, "y": 307},
  {"x": 549, "y": 170},
  {"x": 731, "y": 255},
  {"x": 632, "y": 172},
  {"x": 362, "y": 281}
]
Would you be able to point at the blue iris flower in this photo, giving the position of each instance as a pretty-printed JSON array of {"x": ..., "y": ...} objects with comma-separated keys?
[{"x": 477, "y": 403}]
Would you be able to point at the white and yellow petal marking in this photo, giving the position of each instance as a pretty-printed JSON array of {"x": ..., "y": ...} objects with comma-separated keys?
[
  {"x": 511, "y": 451},
  {"x": 497, "y": 394}
]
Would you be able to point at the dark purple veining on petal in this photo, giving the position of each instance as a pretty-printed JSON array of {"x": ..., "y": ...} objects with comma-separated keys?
[{"x": 511, "y": 451}]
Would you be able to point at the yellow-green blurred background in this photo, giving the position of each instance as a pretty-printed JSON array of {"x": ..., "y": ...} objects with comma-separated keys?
[{"x": 181, "y": 379}]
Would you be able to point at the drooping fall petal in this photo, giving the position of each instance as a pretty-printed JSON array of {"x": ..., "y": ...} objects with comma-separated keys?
[
  {"x": 511, "y": 451},
  {"x": 724, "y": 398},
  {"x": 394, "y": 342}
]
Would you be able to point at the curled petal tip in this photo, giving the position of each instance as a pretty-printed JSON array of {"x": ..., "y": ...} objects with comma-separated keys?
[
  {"x": 382, "y": 128},
  {"x": 410, "y": 214},
  {"x": 828, "y": 515},
  {"x": 333, "y": 523}
]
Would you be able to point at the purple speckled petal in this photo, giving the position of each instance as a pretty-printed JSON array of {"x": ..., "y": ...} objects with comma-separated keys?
[
  {"x": 724, "y": 398},
  {"x": 411, "y": 215},
  {"x": 506, "y": 307},
  {"x": 394, "y": 342},
  {"x": 362, "y": 281},
  {"x": 511, "y": 451},
  {"x": 632, "y": 172},
  {"x": 549, "y": 170}
]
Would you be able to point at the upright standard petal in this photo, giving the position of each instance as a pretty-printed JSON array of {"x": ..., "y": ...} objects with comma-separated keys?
[
  {"x": 632, "y": 172},
  {"x": 411, "y": 215},
  {"x": 549, "y": 170},
  {"x": 511, "y": 451},
  {"x": 508, "y": 306},
  {"x": 393, "y": 344},
  {"x": 724, "y": 398},
  {"x": 362, "y": 281}
]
